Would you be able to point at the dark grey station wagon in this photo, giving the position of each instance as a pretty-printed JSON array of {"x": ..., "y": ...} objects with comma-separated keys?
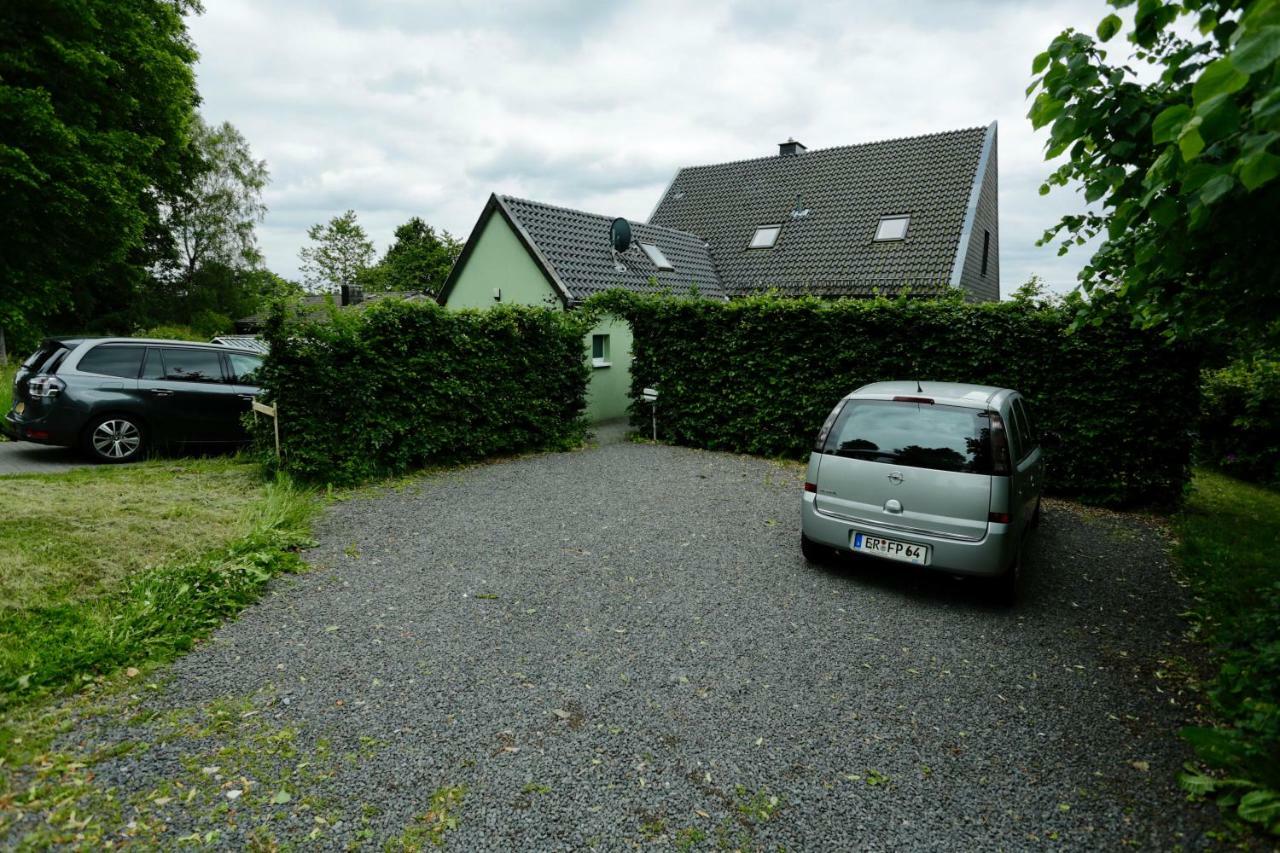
[{"x": 117, "y": 397}]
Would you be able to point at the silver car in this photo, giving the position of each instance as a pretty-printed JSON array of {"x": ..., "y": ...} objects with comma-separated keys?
[{"x": 941, "y": 475}]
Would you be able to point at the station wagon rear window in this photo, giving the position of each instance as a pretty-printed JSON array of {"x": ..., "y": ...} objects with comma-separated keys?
[
  {"x": 124, "y": 361},
  {"x": 244, "y": 367},
  {"x": 47, "y": 358},
  {"x": 917, "y": 435}
]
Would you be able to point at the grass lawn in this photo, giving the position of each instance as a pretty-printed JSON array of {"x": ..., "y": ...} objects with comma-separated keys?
[
  {"x": 120, "y": 566},
  {"x": 1229, "y": 532},
  {"x": 74, "y": 536}
]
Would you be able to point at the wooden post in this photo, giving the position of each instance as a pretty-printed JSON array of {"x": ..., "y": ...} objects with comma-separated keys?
[{"x": 271, "y": 412}]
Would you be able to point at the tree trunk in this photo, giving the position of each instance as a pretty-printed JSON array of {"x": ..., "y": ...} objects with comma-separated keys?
[{"x": 4, "y": 353}]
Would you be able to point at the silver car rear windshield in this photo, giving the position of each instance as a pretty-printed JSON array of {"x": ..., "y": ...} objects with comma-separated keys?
[{"x": 918, "y": 435}]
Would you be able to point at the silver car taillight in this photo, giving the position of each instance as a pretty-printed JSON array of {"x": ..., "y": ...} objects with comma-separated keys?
[{"x": 45, "y": 386}]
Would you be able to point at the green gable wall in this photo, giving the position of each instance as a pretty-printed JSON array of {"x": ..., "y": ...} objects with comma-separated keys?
[{"x": 499, "y": 259}]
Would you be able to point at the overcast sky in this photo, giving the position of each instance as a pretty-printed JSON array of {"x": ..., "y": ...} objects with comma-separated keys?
[{"x": 401, "y": 108}]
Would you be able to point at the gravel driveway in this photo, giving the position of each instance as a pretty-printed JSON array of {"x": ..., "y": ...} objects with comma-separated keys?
[
  {"x": 622, "y": 646},
  {"x": 23, "y": 457}
]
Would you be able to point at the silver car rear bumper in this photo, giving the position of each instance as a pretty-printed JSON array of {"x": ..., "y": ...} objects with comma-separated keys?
[{"x": 989, "y": 556}]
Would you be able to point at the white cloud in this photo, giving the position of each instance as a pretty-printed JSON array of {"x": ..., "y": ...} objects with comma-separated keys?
[{"x": 401, "y": 108}]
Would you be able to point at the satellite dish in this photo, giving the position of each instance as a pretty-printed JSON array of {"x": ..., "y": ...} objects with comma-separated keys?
[{"x": 620, "y": 234}]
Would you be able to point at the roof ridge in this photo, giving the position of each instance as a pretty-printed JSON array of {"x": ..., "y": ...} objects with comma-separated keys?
[
  {"x": 810, "y": 152},
  {"x": 510, "y": 198}
]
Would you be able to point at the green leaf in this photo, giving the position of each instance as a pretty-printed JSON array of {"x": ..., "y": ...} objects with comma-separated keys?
[
  {"x": 1109, "y": 26},
  {"x": 1095, "y": 190},
  {"x": 1040, "y": 62},
  {"x": 1219, "y": 77},
  {"x": 1267, "y": 108},
  {"x": 1258, "y": 168},
  {"x": 1257, "y": 50},
  {"x": 1216, "y": 188},
  {"x": 1164, "y": 211},
  {"x": 1168, "y": 124},
  {"x": 1045, "y": 109},
  {"x": 281, "y": 797},
  {"x": 1260, "y": 806},
  {"x": 1157, "y": 173},
  {"x": 1198, "y": 214},
  {"x": 1220, "y": 118},
  {"x": 1197, "y": 784},
  {"x": 1219, "y": 747},
  {"x": 1190, "y": 143},
  {"x": 1197, "y": 176}
]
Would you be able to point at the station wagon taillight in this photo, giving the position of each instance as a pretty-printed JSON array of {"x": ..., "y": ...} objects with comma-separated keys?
[
  {"x": 811, "y": 487},
  {"x": 1000, "y": 465},
  {"x": 998, "y": 517},
  {"x": 45, "y": 386}
]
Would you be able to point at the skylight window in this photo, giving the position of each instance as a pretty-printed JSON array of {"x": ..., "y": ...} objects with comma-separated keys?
[
  {"x": 655, "y": 254},
  {"x": 765, "y": 236},
  {"x": 892, "y": 227}
]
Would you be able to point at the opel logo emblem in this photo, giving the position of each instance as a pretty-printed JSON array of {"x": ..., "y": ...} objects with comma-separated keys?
[{"x": 896, "y": 478}]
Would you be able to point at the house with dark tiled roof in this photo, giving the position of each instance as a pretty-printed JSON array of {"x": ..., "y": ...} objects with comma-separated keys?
[{"x": 853, "y": 221}]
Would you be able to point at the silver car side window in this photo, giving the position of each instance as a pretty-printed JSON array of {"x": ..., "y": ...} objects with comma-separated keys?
[
  {"x": 1016, "y": 445},
  {"x": 1033, "y": 440},
  {"x": 1025, "y": 441}
]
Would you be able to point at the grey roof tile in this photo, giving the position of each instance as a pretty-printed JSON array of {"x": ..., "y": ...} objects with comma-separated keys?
[
  {"x": 830, "y": 252},
  {"x": 576, "y": 246}
]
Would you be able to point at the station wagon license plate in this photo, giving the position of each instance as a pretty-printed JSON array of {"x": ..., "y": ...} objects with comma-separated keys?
[{"x": 905, "y": 552}]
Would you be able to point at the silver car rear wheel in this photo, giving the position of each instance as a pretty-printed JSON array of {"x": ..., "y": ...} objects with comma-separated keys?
[{"x": 115, "y": 438}]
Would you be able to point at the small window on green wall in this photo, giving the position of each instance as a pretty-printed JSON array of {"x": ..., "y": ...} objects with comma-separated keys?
[{"x": 599, "y": 350}]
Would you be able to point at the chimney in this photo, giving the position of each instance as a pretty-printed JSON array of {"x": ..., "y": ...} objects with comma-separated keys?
[
  {"x": 790, "y": 148},
  {"x": 351, "y": 294}
]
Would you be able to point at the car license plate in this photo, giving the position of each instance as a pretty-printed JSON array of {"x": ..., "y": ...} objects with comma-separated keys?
[{"x": 905, "y": 552}]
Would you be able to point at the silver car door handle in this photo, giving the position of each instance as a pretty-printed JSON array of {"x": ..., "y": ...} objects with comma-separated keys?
[
  {"x": 245, "y": 396},
  {"x": 160, "y": 392}
]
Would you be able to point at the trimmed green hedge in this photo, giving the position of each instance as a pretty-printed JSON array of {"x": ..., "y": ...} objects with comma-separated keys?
[
  {"x": 400, "y": 385},
  {"x": 759, "y": 375},
  {"x": 1240, "y": 428}
]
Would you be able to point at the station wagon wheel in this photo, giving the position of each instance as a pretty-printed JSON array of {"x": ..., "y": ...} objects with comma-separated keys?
[{"x": 115, "y": 438}]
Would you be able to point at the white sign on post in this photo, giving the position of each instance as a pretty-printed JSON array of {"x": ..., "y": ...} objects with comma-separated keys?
[{"x": 650, "y": 396}]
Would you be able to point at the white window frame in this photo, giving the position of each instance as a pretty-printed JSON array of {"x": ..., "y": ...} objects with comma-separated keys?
[
  {"x": 904, "y": 218},
  {"x": 655, "y": 254},
  {"x": 756, "y": 243},
  {"x": 601, "y": 360}
]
